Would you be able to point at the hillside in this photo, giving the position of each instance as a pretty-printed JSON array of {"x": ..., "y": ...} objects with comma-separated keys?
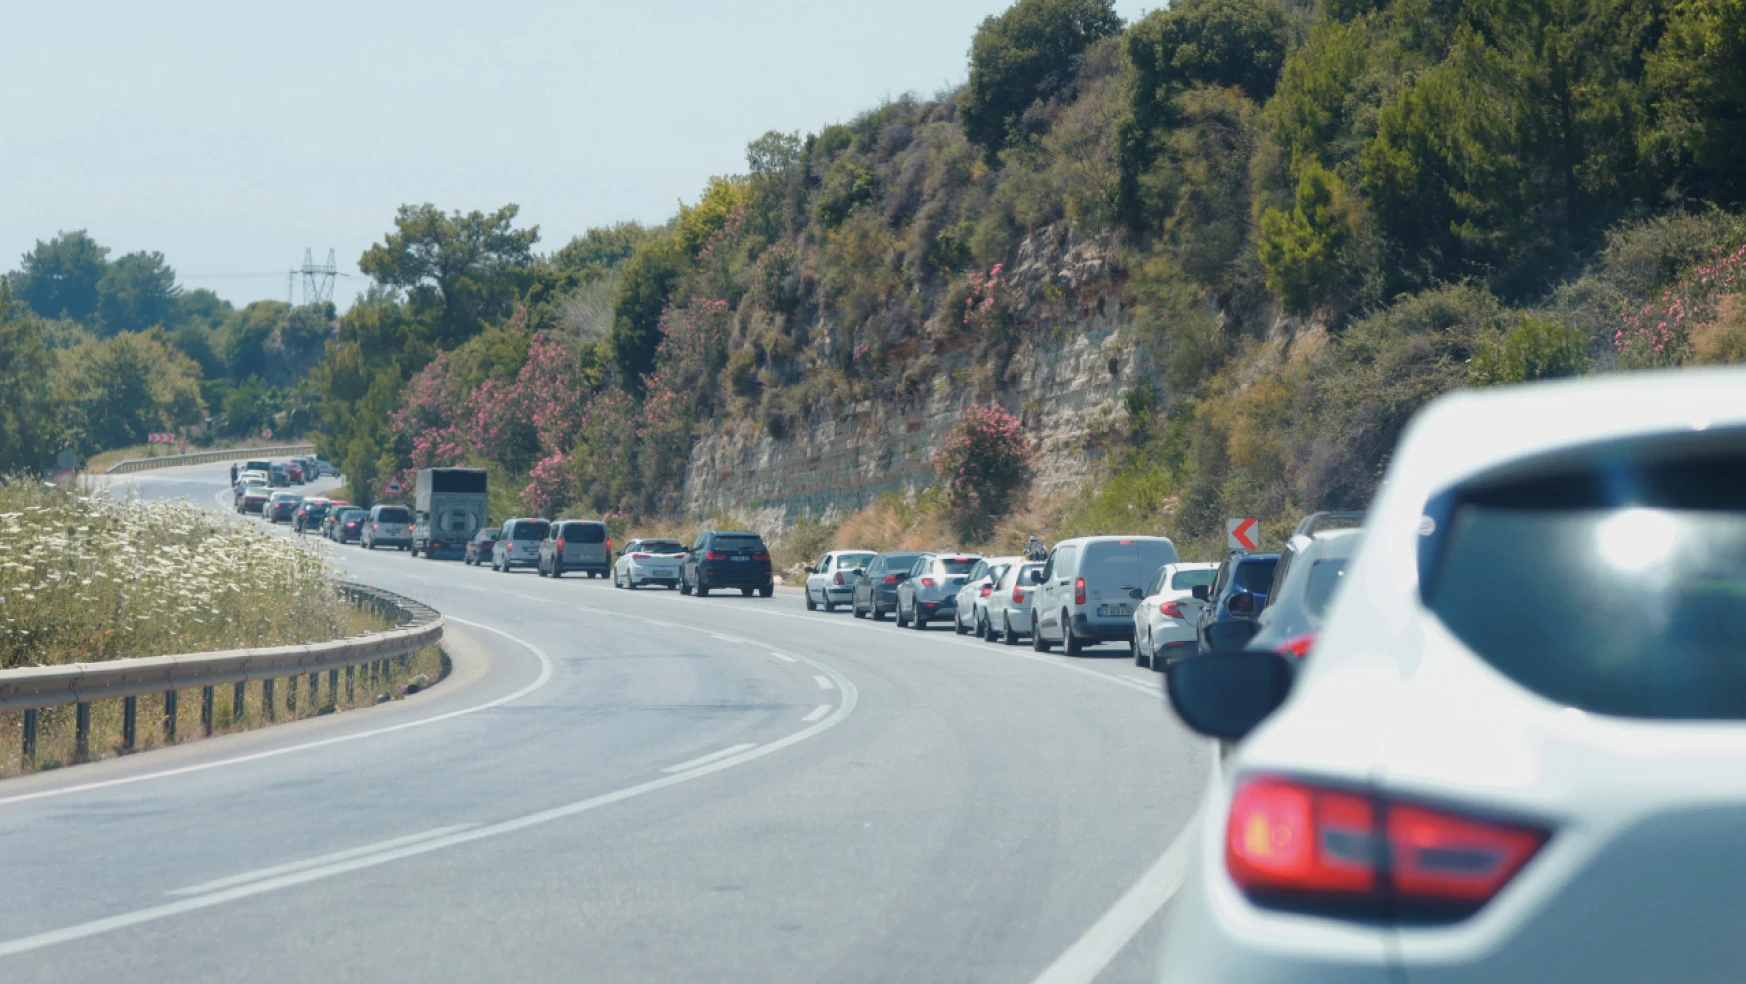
[{"x": 1212, "y": 261}]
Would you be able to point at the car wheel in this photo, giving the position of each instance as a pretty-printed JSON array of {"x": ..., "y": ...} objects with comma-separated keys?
[
  {"x": 699, "y": 590},
  {"x": 902, "y": 619},
  {"x": 684, "y": 586},
  {"x": 540, "y": 569},
  {"x": 958, "y": 625},
  {"x": 916, "y": 620},
  {"x": 829, "y": 605},
  {"x": 629, "y": 584},
  {"x": 767, "y": 590},
  {"x": 1070, "y": 643},
  {"x": 746, "y": 592},
  {"x": 557, "y": 569},
  {"x": 1038, "y": 643},
  {"x": 368, "y": 546},
  {"x": 878, "y": 613},
  {"x": 811, "y": 606},
  {"x": 1140, "y": 658},
  {"x": 855, "y": 609},
  {"x": 984, "y": 631},
  {"x": 1007, "y": 635}
]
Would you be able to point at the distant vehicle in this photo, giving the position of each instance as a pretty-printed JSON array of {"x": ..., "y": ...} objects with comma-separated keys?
[
  {"x": 252, "y": 498},
  {"x": 1090, "y": 587},
  {"x": 261, "y": 465},
  {"x": 727, "y": 559},
  {"x": 278, "y": 476},
  {"x": 1234, "y": 599},
  {"x": 478, "y": 549},
  {"x": 348, "y": 525},
  {"x": 256, "y": 476},
  {"x": 970, "y": 612},
  {"x": 831, "y": 580},
  {"x": 1518, "y": 750},
  {"x": 931, "y": 589},
  {"x": 649, "y": 562},
  {"x": 1311, "y": 569},
  {"x": 518, "y": 544},
  {"x": 449, "y": 507},
  {"x": 309, "y": 514},
  {"x": 294, "y": 471},
  {"x": 1164, "y": 619},
  {"x": 876, "y": 591},
  {"x": 1009, "y": 604},
  {"x": 388, "y": 526},
  {"x": 576, "y": 545},
  {"x": 281, "y": 507}
]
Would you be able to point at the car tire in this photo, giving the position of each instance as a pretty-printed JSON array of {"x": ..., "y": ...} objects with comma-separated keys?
[
  {"x": 902, "y": 619},
  {"x": 984, "y": 630},
  {"x": 855, "y": 609},
  {"x": 684, "y": 585},
  {"x": 767, "y": 591},
  {"x": 958, "y": 625},
  {"x": 917, "y": 621},
  {"x": 1008, "y": 636},
  {"x": 1038, "y": 643},
  {"x": 1070, "y": 643},
  {"x": 629, "y": 584},
  {"x": 699, "y": 590},
  {"x": 540, "y": 569},
  {"x": 1140, "y": 658},
  {"x": 745, "y": 592},
  {"x": 829, "y": 605},
  {"x": 557, "y": 569},
  {"x": 811, "y": 605},
  {"x": 878, "y": 615}
]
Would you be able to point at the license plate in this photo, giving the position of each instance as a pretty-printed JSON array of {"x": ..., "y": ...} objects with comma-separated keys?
[
  {"x": 737, "y": 559},
  {"x": 1111, "y": 611}
]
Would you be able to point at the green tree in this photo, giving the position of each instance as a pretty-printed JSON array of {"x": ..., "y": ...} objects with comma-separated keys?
[
  {"x": 1299, "y": 248},
  {"x": 1023, "y": 55},
  {"x": 247, "y": 408},
  {"x": 137, "y": 292},
  {"x": 1536, "y": 348},
  {"x": 199, "y": 307},
  {"x": 720, "y": 200},
  {"x": 59, "y": 278},
  {"x": 459, "y": 270},
  {"x": 123, "y": 387},
  {"x": 28, "y": 406},
  {"x": 649, "y": 277},
  {"x": 1207, "y": 42},
  {"x": 1699, "y": 73}
]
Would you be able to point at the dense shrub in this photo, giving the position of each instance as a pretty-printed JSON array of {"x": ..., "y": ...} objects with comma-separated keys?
[
  {"x": 981, "y": 464},
  {"x": 1536, "y": 348},
  {"x": 1023, "y": 55}
]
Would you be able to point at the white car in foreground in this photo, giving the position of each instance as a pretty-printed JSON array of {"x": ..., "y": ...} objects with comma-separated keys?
[
  {"x": 645, "y": 562},
  {"x": 1517, "y": 752},
  {"x": 1164, "y": 618},
  {"x": 831, "y": 581}
]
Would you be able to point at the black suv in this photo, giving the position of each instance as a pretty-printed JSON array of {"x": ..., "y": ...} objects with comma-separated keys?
[{"x": 727, "y": 559}]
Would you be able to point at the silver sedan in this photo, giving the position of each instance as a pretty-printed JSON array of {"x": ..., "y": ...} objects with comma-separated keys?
[{"x": 1008, "y": 606}]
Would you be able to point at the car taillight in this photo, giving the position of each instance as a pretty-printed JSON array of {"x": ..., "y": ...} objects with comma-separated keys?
[
  {"x": 839, "y": 577},
  {"x": 1170, "y": 608},
  {"x": 1299, "y": 646},
  {"x": 891, "y": 579},
  {"x": 509, "y": 549},
  {"x": 609, "y": 544},
  {"x": 927, "y": 582},
  {"x": 1294, "y": 845},
  {"x": 761, "y": 555},
  {"x": 560, "y": 543},
  {"x": 1079, "y": 591},
  {"x": 1018, "y": 596},
  {"x": 712, "y": 555},
  {"x": 639, "y": 556},
  {"x": 987, "y": 589},
  {"x": 374, "y": 526}
]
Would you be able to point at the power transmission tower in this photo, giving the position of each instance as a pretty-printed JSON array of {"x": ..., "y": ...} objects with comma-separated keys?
[{"x": 318, "y": 280}]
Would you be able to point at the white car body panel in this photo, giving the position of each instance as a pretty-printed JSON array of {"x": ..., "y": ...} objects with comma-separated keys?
[
  {"x": 659, "y": 567},
  {"x": 1154, "y": 630},
  {"x": 821, "y": 586},
  {"x": 971, "y": 608}
]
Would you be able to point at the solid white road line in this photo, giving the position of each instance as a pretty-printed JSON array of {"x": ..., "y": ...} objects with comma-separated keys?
[
  {"x": 545, "y": 675},
  {"x": 1087, "y": 958},
  {"x": 824, "y": 683},
  {"x": 817, "y": 712},
  {"x": 711, "y": 757},
  {"x": 81, "y": 931},
  {"x": 727, "y": 638},
  {"x": 782, "y": 657},
  {"x": 316, "y": 862}
]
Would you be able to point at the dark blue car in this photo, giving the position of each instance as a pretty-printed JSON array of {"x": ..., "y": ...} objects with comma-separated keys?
[{"x": 1235, "y": 599}]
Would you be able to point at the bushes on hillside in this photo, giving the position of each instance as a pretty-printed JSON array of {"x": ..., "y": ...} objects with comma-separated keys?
[
  {"x": 981, "y": 464},
  {"x": 1024, "y": 55}
]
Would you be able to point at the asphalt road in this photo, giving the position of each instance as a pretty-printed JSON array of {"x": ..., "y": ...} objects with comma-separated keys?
[{"x": 627, "y": 786}]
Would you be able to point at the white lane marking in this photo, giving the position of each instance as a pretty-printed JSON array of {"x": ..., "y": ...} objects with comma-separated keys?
[
  {"x": 711, "y": 757},
  {"x": 727, "y": 638},
  {"x": 81, "y": 931},
  {"x": 418, "y": 577},
  {"x": 316, "y": 862},
  {"x": 782, "y": 657},
  {"x": 545, "y": 675},
  {"x": 1093, "y": 951},
  {"x": 817, "y": 712},
  {"x": 824, "y": 683}
]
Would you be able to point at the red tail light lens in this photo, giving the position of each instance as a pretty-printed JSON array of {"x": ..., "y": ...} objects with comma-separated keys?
[
  {"x": 1079, "y": 591},
  {"x": 927, "y": 582},
  {"x": 1171, "y": 609},
  {"x": 1298, "y": 846},
  {"x": 1298, "y": 647},
  {"x": 1018, "y": 596},
  {"x": 374, "y": 526},
  {"x": 712, "y": 555},
  {"x": 761, "y": 555},
  {"x": 560, "y": 543},
  {"x": 609, "y": 543},
  {"x": 987, "y": 589},
  {"x": 891, "y": 579},
  {"x": 839, "y": 578},
  {"x": 639, "y": 556}
]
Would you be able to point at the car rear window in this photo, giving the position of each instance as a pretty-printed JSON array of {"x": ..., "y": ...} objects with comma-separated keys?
[
  {"x": 741, "y": 542},
  {"x": 853, "y": 560},
  {"x": 1325, "y": 577},
  {"x": 1129, "y": 562},
  {"x": 533, "y": 529},
  {"x": 1618, "y": 589},
  {"x": 956, "y": 565},
  {"x": 394, "y": 515},
  {"x": 1256, "y": 576},
  {"x": 351, "y": 515},
  {"x": 488, "y": 533},
  {"x": 900, "y": 561},
  {"x": 1189, "y": 580},
  {"x": 661, "y": 546},
  {"x": 584, "y": 533}
]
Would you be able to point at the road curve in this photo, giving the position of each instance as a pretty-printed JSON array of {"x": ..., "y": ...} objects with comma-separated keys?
[{"x": 626, "y": 786}]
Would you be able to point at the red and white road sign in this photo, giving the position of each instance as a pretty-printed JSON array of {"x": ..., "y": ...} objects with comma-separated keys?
[
  {"x": 394, "y": 487},
  {"x": 160, "y": 438},
  {"x": 1240, "y": 534}
]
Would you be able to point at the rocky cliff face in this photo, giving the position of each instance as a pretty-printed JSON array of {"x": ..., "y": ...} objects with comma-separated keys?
[{"x": 1066, "y": 379}]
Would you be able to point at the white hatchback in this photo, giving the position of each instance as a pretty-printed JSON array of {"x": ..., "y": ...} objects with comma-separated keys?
[
  {"x": 649, "y": 561},
  {"x": 831, "y": 581},
  {"x": 970, "y": 614},
  {"x": 1517, "y": 752},
  {"x": 1164, "y": 619}
]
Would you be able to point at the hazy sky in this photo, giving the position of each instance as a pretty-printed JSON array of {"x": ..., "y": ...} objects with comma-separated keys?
[{"x": 230, "y": 136}]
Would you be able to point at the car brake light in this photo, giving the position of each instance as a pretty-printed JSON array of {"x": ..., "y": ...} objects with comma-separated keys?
[
  {"x": 761, "y": 555},
  {"x": 1294, "y": 845},
  {"x": 927, "y": 582},
  {"x": 712, "y": 555},
  {"x": 374, "y": 526},
  {"x": 639, "y": 556},
  {"x": 1018, "y": 596},
  {"x": 609, "y": 544},
  {"x": 839, "y": 577},
  {"x": 1170, "y": 608},
  {"x": 891, "y": 579},
  {"x": 987, "y": 589},
  {"x": 1079, "y": 591},
  {"x": 1299, "y": 646},
  {"x": 1126, "y": 543}
]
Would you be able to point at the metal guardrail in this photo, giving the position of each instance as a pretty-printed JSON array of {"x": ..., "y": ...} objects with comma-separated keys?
[
  {"x": 33, "y": 687},
  {"x": 202, "y": 457}
]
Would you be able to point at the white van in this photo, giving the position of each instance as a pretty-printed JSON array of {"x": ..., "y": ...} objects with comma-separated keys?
[{"x": 1090, "y": 587}]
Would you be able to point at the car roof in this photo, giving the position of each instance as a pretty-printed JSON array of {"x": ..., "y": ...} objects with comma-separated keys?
[{"x": 1082, "y": 540}]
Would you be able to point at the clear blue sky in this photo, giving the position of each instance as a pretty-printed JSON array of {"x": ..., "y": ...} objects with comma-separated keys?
[{"x": 230, "y": 136}]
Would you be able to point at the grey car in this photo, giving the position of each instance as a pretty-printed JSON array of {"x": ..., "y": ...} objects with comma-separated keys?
[
  {"x": 576, "y": 545},
  {"x": 876, "y": 591},
  {"x": 518, "y": 544},
  {"x": 931, "y": 590},
  {"x": 388, "y": 526}
]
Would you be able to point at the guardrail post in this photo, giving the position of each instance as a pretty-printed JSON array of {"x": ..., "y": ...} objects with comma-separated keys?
[
  {"x": 237, "y": 697},
  {"x": 351, "y": 685},
  {"x": 129, "y": 720},
  {"x": 170, "y": 717},
  {"x": 30, "y": 736},
  {"x": 291, "y": 693},
  {"x": 267, "y": 708},
  {"x": 333, "y": 685},
  {"x": 81, "y": 731},
  {"x": 314, "y": 691},
  {"x": 206, "y": 710}
]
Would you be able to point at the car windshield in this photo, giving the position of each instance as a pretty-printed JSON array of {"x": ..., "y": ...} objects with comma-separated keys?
[
  {"x": 393, "y": 515},
  {"x": 532, "y": 529},
  {"x": 901, "y": 561},
  {"x": 1189, "y": 580},
  {"x": 661, "y": 547},
  {"x": 584, "y": 533},
  {"x": 1255, "y": 576},
  {"x": 854, "y": 560}
]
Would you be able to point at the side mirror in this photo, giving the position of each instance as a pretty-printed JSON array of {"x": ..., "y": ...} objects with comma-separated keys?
[
  {"x": 1225, "y": 695},
  {"x": 903, "y": 575},
  {"x": 1201, "y": 592},
  {"x": 1037, "y": 576},
  {"x": 1241, "y": 603},
  {"x": 812, "y": 570}
]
